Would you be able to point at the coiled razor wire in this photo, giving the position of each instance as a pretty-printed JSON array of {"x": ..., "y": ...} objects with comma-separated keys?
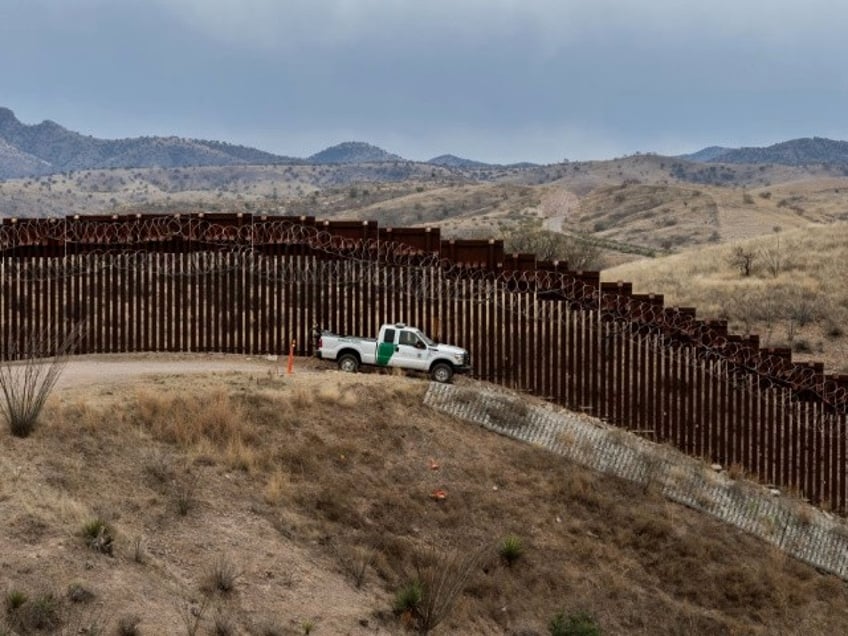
[{"x": 383, "y": 262}]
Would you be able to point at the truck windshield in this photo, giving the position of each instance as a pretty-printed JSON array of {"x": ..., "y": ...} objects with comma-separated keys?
[{"x": 428, "y": 341}]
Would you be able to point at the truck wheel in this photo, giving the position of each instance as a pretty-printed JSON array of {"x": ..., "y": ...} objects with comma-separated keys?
[
  {"x": 441, "y": 372},
  {"x": 348, "y": 363}
]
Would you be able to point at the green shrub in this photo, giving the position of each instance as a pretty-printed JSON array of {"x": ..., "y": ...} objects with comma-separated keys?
[
  {"x": 408, "y": 598},
  {"x": 511, "y": 549},
  {"x": 98, "y": 535},
  {"x": 15, "y": 599},
  {"x": 440, "y": 579},
  {"x": 576, "y": 624},
  {"x": 39, "y": 614},
  {"x": 78, "y": 593}
]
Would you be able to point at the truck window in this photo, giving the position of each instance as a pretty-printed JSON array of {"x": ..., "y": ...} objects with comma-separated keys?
[
  {"x": 427, "y": 340},
  {"x": 389, "y": 335},
  {"x": 408, "y": 338}
]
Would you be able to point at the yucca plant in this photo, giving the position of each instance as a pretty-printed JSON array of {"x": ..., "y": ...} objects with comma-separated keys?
[
  {"x": 408, "y": 597},
  {"x": 511, "y": 549},
  {"x": 98, "y": 535},
  {"x": 576, "y": 624}
]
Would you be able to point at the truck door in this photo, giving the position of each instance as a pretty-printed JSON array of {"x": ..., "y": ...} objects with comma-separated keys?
[
  {"x": 411, "y": 352},
  {"x": 386, "y": 347}
]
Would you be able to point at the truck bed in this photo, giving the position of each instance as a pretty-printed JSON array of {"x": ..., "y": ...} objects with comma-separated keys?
[{"x": 342, "y": 338}]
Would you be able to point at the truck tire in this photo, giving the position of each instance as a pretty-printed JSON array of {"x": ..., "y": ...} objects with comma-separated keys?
[
  {"x": 441, "y": 372},
  {"x": 348, "y": 363}
]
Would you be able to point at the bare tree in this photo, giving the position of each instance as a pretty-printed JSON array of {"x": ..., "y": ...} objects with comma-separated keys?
[
  {"x": 775, "y": 258},
  {"x": 28, "y": 372},
  {"x": 743, "y": 259}
]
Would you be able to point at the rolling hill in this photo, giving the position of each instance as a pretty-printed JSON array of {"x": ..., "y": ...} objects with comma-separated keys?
[
  {"x": 452, "y": 161},
  {"x": 795, "y": 295},
  {"x": 627, "y": 207},
  {"x": 249, "y": 503},
  {"x": 706, "y": 154},
  {"x": 15, "y": 162},
  {"x": 48, "y": 148},
  {"x": 59, "y": 150},
  {"x": 353, "y": 152},
  {"x": 796, "y": 152}
]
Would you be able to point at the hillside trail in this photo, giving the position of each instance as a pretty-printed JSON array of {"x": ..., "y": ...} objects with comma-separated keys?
[{"x": 558, "y": 204}]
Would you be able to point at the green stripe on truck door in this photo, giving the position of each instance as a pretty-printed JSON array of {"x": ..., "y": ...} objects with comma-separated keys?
[{"x": 385, "y": 350}]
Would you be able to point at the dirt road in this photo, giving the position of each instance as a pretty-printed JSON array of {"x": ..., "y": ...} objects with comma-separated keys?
[
  {"x": 558, "y": 205},
  {"x": 90, "y": 370}
]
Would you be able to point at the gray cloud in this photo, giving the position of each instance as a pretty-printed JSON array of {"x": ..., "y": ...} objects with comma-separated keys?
[
  {"x": 499, "y": 80},
  {"x": 552, "y": 23}
]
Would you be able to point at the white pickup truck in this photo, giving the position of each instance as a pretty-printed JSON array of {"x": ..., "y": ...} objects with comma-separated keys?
[{"x": 396, "y": 345}]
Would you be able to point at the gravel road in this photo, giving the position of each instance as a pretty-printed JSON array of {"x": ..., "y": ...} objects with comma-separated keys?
[{"x": 121, "y": 368}]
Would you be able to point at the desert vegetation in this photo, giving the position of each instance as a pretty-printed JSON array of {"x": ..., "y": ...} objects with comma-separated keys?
[
  {"x": 788, "y": 287},
  {"x": 319, "y": 503},
  {"x": 311, "y": 510},
  {"x": 641, "y": 201},
  {"x": 28, "y": 373},
  {"x": 578, "y": 252}
]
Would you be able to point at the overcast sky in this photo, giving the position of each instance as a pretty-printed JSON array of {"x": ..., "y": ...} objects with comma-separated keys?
[{"x": 493, "y": 80}]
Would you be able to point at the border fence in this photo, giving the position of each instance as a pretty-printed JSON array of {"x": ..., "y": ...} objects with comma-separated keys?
[{"x": 251, "y": 284}]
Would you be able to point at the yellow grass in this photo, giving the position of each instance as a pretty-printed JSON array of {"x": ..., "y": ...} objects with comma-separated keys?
[
  {"x": 318, "y": 488},
  {"x": 798, "y": 276},
  {"x": 277, "y": 487}
]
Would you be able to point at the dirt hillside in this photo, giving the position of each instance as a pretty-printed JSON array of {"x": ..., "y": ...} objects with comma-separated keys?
[{"x": 212, "y": 495}]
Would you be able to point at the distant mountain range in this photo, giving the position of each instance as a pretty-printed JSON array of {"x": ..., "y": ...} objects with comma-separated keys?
[
  {"x": 48, "y": 147},
  {"x": 797, "y": 152},
  {"x": 707, "y": 154},
  {"x": 45, "y": 148},
  {"x": 452, "y": 161}
]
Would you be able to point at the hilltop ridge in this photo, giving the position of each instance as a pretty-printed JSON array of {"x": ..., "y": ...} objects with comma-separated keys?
[
  {"x": 795, "y": 152},
  {"x": 353, "y": 152},
  {"x": 48, "y": 148}
]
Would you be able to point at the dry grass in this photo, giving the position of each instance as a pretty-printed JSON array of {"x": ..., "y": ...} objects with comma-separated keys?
[
  {"x": 644, "y": 201},
  {"x": 221, "y": 576},
  {"x": 332, "y": 514},
  {"x": 662, "y": 217},
  {"x": 796, "y": 295}
]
